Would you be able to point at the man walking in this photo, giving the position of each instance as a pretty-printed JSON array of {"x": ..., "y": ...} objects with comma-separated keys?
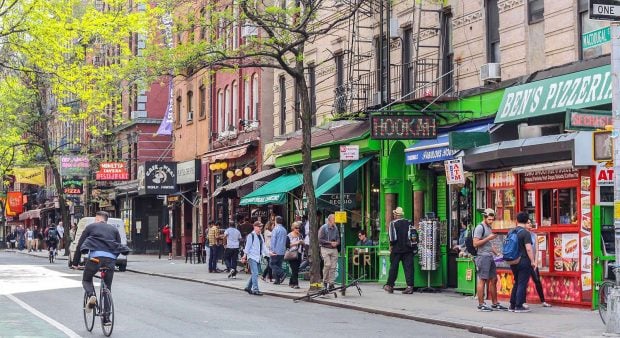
[
  {"x": 278, "y": 247},
  {"x": 231, "y": 253},
  {"x": 523, "y": 269},
  {"x": 329, "y": 241},
  {"x": 254, "y": 250},
  {"x": 401, "y": 250},
  {"x": 485, "y": 262},
  {"x": 29, "y": 239},
  {"x": 61, "y": 233}
]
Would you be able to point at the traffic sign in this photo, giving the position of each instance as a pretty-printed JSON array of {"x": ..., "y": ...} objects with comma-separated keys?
[
  {"x": 340, "y": 216},
  {"x": 350, "y": 153},
  {"x": 596, "y": 37},
  {"x": 605, "y": 10}
]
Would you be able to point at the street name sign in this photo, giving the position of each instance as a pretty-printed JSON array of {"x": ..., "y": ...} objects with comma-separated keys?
[
  {"x": 596, "y": 37},
  {"x": 605, "y": 10}
]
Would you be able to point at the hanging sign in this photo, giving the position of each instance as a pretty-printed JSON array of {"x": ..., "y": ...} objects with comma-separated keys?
[
  {"x": 73, "y": 186},
  {"x": 349, "y": 153},
  {"x": 78, "y": 166},
  {"x": 454, "y": 171},
  {"x": 340, "y": 217},
  {"x": 112, "y": 171},
  {"x": 402, "y": 127},
  {"x": 501, "y": 179},
  {"x": 159, "y": 178},
  {"x": 15, "y": 201}
]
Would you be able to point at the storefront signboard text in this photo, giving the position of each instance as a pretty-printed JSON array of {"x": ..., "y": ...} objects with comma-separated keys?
[
  {"x": 501, "y": 179},
  {"x": 604, "y": 175},
  {"x": 402, "y": 127},
  {"x": 581, "y": 119},
  {"x": 454, "y": 171},
  {"x": 72, "y": 186},
  {"x": 78, "y": 166},
  {"x": 550, "y": 175},
  {"x": 159, "y": 178},
  {"x": 587, "y": 88},
  {"x": 187, "y": 172},
  {"x": 112, "y": 171}
]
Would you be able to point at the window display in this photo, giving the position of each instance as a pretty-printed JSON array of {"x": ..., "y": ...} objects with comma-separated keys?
[
  {"x": 558, "y": 206},
  {"x": 502, "y": 198}
]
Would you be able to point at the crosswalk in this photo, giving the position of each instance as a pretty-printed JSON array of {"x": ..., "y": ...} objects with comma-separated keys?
[{"x": 16, "y": 279}]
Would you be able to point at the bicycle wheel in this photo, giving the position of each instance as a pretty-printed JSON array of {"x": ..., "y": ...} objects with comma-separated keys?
[
  {"x": 107, "y": 312},
  {"x": 89, "y": 317},
  {"x": 603, "y": 293}
]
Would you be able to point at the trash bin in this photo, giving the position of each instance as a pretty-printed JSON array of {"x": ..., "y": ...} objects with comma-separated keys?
[{"x": 466, "y": 269}]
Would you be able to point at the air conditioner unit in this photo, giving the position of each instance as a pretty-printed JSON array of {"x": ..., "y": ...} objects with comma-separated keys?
[
  {"x": 376, "y": 98},
  {"x": 135, "y": 114},
  {"x": 190, "y": 116},
  {"x": 490, "y": 72}
]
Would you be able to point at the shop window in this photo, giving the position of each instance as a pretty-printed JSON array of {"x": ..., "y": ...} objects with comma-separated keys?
[
  {"x": 558, "y": 206},
  {"x": 529, "y": 205},
  {"x": 481, "y": 186},
  {"x": 502, "y": 198}
]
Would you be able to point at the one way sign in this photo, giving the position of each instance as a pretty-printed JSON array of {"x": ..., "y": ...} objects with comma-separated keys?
[{"x": 608, "y": 10}]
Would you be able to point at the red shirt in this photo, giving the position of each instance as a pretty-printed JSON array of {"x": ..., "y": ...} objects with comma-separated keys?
[{"x": 166, "y": 232}]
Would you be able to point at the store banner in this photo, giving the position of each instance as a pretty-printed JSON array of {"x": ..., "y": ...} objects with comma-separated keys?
[
  {"x": 34, "y": 176},
  {"x": 587, "y": 88},
  {"x": 78, "y": 166},
  {"x": 15, "y": 201},
  {"x": 112, "y": 171},
  {"x": 159, "y": 178},
  {"x": 501, "y": 179},
  {"x": 585, "y": 254},
  {"x": 73, "y": 186},
  {"x": 454, "y": 171}
]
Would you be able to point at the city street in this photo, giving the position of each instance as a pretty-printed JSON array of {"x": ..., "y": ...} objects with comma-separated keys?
[{"x": 149, "y": 306}]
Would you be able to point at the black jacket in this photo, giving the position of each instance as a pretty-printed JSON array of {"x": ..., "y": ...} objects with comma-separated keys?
[
  {"x": 399, "y": 236},
  {"x": 99, "y": 237}
]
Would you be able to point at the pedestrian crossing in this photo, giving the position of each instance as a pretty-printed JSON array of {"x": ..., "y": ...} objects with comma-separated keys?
[{"x": 16, "y": 279}]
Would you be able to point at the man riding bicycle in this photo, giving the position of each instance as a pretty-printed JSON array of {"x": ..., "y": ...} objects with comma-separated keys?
[
  {"x": 103, "y": 243},
  {"x": 52, "y": 239}
]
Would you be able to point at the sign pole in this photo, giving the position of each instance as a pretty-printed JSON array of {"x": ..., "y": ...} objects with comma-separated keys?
[
  {"x": 342, "y": 236},
  {"x": 613, "y": 303}
]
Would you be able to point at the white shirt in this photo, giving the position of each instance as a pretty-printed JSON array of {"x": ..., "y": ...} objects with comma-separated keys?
[
  {"x": 29, "y": 234},
  {"x": 60, "y": 229},
  {"x": 233, "y": 236},
  {"x": 307, "y": 231}
]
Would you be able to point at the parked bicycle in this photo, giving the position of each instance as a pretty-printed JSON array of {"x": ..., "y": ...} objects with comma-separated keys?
[
  {"x": 103, "y": 308},
  {"x": 604, "y": 290}
]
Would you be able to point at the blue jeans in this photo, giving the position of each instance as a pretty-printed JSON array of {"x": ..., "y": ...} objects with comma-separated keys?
[
  {"x": 521, "y": 273},
  {"x": 253, "y": 281},
  {"x": 276, "y": 267},
  {"x": 214, "y": 254}
]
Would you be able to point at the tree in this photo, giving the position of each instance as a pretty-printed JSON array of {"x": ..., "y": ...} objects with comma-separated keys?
[
  {"x": 284, "y": 28},
  {"x": 63, "y": 60}
]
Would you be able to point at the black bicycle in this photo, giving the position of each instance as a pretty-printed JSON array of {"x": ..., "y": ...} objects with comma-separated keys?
[
  {"x": 104, "y": 307},
  {"x": 52, "y": 253}
]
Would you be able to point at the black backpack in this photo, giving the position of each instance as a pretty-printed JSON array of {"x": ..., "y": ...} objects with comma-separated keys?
[{"x": 469, "y": 240}]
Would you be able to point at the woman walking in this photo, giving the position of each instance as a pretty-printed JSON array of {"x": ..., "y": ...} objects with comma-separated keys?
[
  {"x": 296, "y": 244},
  {"x": 267, "y": 235},
  {"x": 535, "y": 273}
]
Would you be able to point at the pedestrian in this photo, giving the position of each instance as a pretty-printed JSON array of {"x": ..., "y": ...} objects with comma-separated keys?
[
  {"x": 214, "y": 238},
  {"x": 277, "y": 250},
  {"x": 38, "y": 238},
  {"x": 400, "y": 251},
  {"x": 295, "y": 248},
  {"x": 486, "y": 269},
  {"x": 231, "y": 253},
  {"x": 73, "y": 232},
  {"x": 11, "y": 239},
  {"x": 254, "y": 250},
  {"x": 522, "y": 270},
  {"x": 535, "y": 272},
  {"x": 61, "y": 233},
  {"x": 329, "y": 241},
  {"x": 267, "y": 234},
  {"x": 29, "y": 239},
  {"x": 166, "y": 232},
  {"x": 362, "y": 239},
  {"x": 21, "y": 237}
]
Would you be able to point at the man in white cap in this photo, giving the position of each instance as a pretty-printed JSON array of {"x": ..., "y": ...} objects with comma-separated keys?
[{"x": 401, "y": 250}]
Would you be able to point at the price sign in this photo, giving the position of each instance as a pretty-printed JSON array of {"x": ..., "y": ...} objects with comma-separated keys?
[{"x": 340, "y": 216}]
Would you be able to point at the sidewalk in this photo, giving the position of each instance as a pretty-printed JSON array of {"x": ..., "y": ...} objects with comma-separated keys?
[{"x": 445, "y": 308}]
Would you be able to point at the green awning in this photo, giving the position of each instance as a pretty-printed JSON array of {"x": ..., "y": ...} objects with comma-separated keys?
[
  {"x": 351, "y": 168},
  {"x": 273, "y": 192}
]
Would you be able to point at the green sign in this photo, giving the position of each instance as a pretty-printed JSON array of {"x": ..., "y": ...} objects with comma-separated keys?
[
  {"x": 596, "y": 38},
  {"x": 582, "y": 89},
  {"x": 585, "y": 119}
]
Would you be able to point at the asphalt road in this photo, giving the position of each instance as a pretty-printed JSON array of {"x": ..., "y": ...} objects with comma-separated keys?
[{"x": 38, "y": 299}]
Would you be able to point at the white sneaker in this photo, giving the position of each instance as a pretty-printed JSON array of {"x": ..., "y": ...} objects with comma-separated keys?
[
  {"x": 545, "y": 304},
  {"x": 92, "y": 300},
  {"x": 525, "y": 306}
]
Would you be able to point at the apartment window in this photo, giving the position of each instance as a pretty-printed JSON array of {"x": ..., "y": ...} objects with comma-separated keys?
[
  {"x": 202, "y": 99},
  {"x": 447, "y": 58},
  {"x": 312, "y": 92},
  {"x": 255, "y": 101},
  {"x": 340, "y": 92},
  {"x": 407, "y": 63},
  {"x": 227, "y": 111},
  {"x": 381, "y": 52},
  {"x": 246, "y": 99},
  {"x": 282, "y": 85},
  {"x": 586, "y": 25},
  {"x": 203, "y": 23},
  {"x": 235, "y": 27},
  {"x": 492, "y": 12},
  {"x": 220, "y": 111},
  {"x": 190, "y": 106},
  {"x": 178, "y": 119},
  {"x": 235, "y": 102},
  {"x": 535, "y": 11}
]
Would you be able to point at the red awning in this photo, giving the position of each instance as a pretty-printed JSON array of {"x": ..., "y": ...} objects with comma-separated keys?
[{"x": 225, "y": 154}]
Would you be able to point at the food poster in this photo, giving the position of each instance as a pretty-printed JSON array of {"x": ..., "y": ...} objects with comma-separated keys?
[
  {"x": 556, "y": 288},
  {"x": 585, "y": 242}
]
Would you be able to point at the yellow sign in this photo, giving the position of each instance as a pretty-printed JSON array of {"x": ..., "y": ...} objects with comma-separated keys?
[
  {"x": 30, "y": 175},
  {"x": 617, "y": 210},
  {"x": 341, "y": 216}
]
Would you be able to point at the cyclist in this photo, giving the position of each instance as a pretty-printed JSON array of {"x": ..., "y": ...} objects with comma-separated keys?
[
  {"x": 103, "y": 243},
  {"x": 52, "y": 239}
]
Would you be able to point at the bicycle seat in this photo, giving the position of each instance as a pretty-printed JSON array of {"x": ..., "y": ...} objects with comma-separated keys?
[{"x": 104, "y": 268}]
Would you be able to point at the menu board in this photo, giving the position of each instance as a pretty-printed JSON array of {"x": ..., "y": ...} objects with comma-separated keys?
[
  {"x": 586, "y": 238},
  {"x": 566, "y": 252}
]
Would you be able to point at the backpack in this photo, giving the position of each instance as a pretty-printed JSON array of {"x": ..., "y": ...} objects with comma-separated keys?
[
  {"x": 52, "y": 235},
  {"x": 469, "y": 240},
  {"x": 511, "y": 249}
]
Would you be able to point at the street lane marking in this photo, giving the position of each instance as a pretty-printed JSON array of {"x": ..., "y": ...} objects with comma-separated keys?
[
  {"x": 27, "y": 278},
  {"x": 52, "y": 322}
]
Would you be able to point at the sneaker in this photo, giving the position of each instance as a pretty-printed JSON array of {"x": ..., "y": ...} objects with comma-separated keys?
[
  {"x": 234, "y": 273},
  {"x": 484, "y": 308},
  {"x": 107, "y": 321},
  {"x": 230, "y": 274},
  {"x": 499, "y": 307},
  {"x": 545, "y": 304},
  {"x": 92, "y": 300},
  {"x": 257, "y": 293},
  {"x": 388, "y": 288},
  {"x": 408, "y": 290},
  {"x": 526, "y": 306},
  {"x": 521, "y": 309},
  {"x": 511, "y": 309},
  {"x": 248, "y": 290}
]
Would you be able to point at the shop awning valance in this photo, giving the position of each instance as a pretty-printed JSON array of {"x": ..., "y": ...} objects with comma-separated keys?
[
  {"x": 426, "y": 151},
  {"x": 246, "y": 180},
  {"x": 226, "y": 154},
  {"x": 273, "y": 192},
  {"x": 351, "y": 168},
  {"x": 32, "y": 214}
]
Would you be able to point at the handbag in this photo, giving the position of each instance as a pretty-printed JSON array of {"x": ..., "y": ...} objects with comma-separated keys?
[{"x": 290, "y": 255}]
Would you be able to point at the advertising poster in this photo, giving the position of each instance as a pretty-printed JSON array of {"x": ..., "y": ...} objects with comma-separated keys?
[{"x": 603, "y": 176}]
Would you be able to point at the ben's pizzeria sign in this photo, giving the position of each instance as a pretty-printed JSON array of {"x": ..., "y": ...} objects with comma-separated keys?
[{"x": 582, "y": 89}]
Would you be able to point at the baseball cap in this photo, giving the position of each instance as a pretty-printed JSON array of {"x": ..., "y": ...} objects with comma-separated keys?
[{"x": 489, "y": 212}]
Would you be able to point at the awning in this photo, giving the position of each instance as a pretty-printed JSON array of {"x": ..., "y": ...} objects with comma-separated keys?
[
  {"x": 426, "y": 151},
  {"x": 351, "y": 168},
  {"x": 226, "y": 154},
  {"x": 246, "y": 180},
  {"x": 32, "y": 214},
  {"x": 534, "y": 150},
  {"x": 273, "y": 192}
]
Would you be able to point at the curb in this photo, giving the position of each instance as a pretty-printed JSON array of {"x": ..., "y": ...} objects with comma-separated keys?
[{"x": 490, "y": 331}]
